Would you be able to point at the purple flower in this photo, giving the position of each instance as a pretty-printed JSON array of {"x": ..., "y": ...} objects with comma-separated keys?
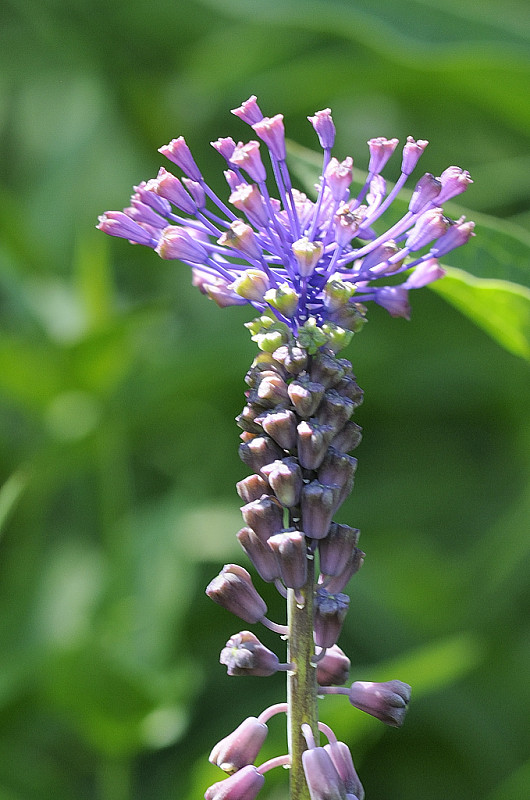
[{"x": 309, "y": 265}]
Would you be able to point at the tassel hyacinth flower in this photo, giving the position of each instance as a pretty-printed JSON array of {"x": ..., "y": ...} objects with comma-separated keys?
[{"x": 308, "y": 268}]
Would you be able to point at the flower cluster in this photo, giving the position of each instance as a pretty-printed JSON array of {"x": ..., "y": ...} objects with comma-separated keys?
[
  {"x": 307, "y": 267},
  {"x": 297, "y": 260}
]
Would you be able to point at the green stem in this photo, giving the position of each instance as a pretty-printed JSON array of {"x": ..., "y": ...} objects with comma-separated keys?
[{"x": 301, "y": 683}]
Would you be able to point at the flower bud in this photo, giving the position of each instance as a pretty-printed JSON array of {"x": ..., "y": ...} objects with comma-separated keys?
[
  {"x": 323, "y": 780},
  {"x": 318, "y": 504},
  {"x": 246, "y": 420},
  {"x": 247, "y": 157},
  {"x": 244, "y": 654},
  {"x": 347, "y": 438},
  {"x": 242, "y": 785},
  {"x": 307, "y": 255},
  {"x": 260, "y": 554},
  {"x": 264, "y": 516},
  {"x": 338, "y": 469},
  {"x": 280, "y": 426},
  {"x": 241, "y": 747},
  {"x": 259, "y": 451},
  {"x": 386, "y": 701},
  {"x": 326, "y": 369},
  {"x": 348, "y": 387},
  {"x": 252, "y": 488},
  {"x": 426, "y": 191},
  {"x": 333, "y": 668},
  {"x": 330, "y": 613},
  {"x": 285, "y": 478},
  {"x": 233, "y": 589},
  {"x": 352, "y": 566},
  {"x": 252, "y": 285},
  {"x": 324, "y": 127},
  {"x": 343, "y": 763},
  {"x": 339, "y": 176},
  {"x": 336, "y": 549},
  {"x": 335, "y": 409},
  {"x": 313, "y": 441},
  {"x": 305, "y": 395},
  {"x": 249, "y": 111},
  {"x": 292, "y": 358},
  {"x": 271, "y": 131},
  {"x": 241, "y": 237},
  {"x": 284, "y": 299},
  {"x": 412, "y": 153},
  {"x": 380, "y": 151},
  {"x": 179, "y": 153},
  {"x": 290, "y": 550}
]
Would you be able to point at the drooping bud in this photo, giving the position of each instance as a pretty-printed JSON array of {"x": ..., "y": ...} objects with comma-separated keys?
[
  {"x": 242, "y": 785},
  {"x": 333, "y": 668},
  {"x": 225, "y": 146},
  {"x": 305, "y": 395},
  {"x": 313, "y": 441},
  {"x": 290, "y": 550},
  {"x": 323, "y": 780},
  {"x": 281, "y": 426},
  {"x": 338, "y": 469},
  {"x": 335, "y": 409},
  {"x": 387, "y": 701},
  {"x": 259, "y": 451},
  {"x": 330, "y": 612},
  {"x": 244, "y": 654},
  {"x": 351, "y": 567},
  {"x": 456, "y": 235},
  {"x": 233, "y": 589},
  {"x": 241, "y": 747},
  {"x": 246, "y": 420},
  {"x": 285, "y": 478},
  {"x": 337, "y": 548},
  {"x": 318, "y": 504},
  {"x": 343, "y": 763},
  {"x": 260, "y": 554},
  {"x": 347, "y": 438},
  {"x": 264, "y": 516},
  {"x": 292, "y": 357},
  {"x": 326, "y": 369},
  {"x": 247, "y": 198},
  {"x": 169, "y": 187}
]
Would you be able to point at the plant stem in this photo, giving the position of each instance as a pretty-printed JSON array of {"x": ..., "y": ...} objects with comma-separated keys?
[{"x": 301, "y": 684}]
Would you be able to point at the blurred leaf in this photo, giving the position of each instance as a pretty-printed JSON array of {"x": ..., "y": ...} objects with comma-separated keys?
[{"x": 501, "y": 308}]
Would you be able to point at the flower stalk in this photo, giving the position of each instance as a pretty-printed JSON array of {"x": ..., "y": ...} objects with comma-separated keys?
[{"x": 307, "y": 269}]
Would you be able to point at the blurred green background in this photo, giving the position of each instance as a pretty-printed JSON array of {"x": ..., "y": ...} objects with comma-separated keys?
[{"x": 119, "y": 383}]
